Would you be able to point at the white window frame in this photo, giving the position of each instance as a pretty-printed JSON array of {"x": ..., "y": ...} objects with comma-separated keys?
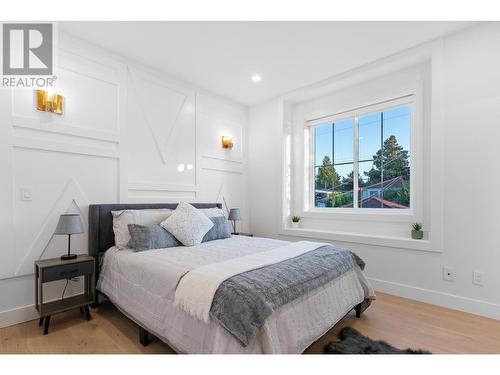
[{"x": 368, "y": 213}]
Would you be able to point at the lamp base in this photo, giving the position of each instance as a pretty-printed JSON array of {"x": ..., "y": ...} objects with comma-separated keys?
[{"x": 68, "y": 256}]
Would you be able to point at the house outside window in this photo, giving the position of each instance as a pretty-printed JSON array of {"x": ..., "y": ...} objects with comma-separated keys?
[{"x": 372, "y": 143}]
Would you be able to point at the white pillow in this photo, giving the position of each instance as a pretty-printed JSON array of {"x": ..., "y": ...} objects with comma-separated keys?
[
  {"x": 188, "y": 224},
  {"x": 212, "y": 212},
  {"x": 121, "y": 220}
]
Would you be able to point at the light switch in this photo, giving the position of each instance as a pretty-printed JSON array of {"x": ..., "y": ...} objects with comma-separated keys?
[{"x": 26, "y": 194}]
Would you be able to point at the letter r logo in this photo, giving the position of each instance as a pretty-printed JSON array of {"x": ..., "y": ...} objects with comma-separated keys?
[{"x": 27, "y": 49}]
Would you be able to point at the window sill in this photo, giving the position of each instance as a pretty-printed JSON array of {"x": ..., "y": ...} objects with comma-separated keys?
[{"x": 397, "y": 242}]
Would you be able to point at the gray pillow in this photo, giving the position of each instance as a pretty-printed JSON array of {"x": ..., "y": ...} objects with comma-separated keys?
[
  {"x": 153, "y": 236},
  {"x": 220, "y": 230}
]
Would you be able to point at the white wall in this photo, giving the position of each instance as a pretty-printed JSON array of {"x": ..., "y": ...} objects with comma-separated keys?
[
  {"x": 125, "y": 131},
  {"x": 470, "y": 109}
]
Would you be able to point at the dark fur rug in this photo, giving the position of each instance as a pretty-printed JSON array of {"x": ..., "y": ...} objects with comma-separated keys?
[{"x": 353, "y": 342}]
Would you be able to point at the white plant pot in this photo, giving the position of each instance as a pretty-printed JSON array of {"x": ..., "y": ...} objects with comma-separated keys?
[{"x": 295, "y": 225}]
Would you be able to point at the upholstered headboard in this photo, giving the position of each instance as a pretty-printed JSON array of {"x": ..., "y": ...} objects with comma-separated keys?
[{"x": 101, "y": 235}]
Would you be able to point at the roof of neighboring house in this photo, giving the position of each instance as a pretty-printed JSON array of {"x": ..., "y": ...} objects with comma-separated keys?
[
  {"x": 376, "y": 202},
  {"x": 396, "y": 182},
  {"x": 385, "y": 202}
]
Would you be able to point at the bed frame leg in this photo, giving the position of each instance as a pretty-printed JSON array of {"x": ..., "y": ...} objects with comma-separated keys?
[
  {"x": 358, "y": 310},
  {"x": 144, "y": 336}
]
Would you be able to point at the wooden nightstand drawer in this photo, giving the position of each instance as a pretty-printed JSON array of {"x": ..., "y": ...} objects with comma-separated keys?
[
  {"x": 59, "y": 269},
  {"x": 67, "y": 271}
]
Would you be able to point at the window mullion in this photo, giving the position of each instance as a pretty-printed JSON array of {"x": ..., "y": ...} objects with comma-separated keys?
[
  {"x": 333, "y": 162},
  {"x": 382, "y": 159},
  {"x": 355, "y": 169}
]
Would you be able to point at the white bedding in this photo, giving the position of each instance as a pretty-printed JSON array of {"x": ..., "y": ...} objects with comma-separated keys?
[
  {"x": 196, "y": 290},
  {"x": 143, "y": 286}
]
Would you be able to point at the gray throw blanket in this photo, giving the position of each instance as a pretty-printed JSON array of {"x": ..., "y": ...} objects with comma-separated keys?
[{"x": 243, "y": 302}]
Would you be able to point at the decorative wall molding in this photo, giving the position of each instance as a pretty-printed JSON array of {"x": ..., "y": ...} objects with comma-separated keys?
[
  {"x": 72, "y": 193},
  {"x": 221, "y": 165},
  {"x": 62, "y": 147},
  {"x": 230, "y": 160},
  {"x": 86, "y": 143},
  {"x": 221, "y": 170},
  {"x": 172, "y": 197},
  {"x": 63, "y": 128},
  {"x": 160, "y": 139},
  {"x": 157, "y": 186},
  {"x": 220, "y": 197},
  {"x": 95, "y": 76}
]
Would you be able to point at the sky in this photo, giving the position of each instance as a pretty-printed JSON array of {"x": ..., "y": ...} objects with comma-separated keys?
[{"x": 397, "y": 122}]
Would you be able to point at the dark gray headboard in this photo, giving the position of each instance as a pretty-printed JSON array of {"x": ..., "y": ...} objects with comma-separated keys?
[{"x": 101, "y": 236}]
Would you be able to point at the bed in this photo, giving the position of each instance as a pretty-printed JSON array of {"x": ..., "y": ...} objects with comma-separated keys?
[{"x": 145, "y": 285}]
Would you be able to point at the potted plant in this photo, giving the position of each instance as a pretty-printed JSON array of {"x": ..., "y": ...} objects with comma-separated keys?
[
  {"x": 295, "y": 221},
  {"x": 417, "y": 233}
]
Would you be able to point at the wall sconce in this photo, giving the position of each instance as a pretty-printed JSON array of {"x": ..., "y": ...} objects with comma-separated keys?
[
  {"x": 227, "y": 142},
  {"x": 49, "y": 102}
]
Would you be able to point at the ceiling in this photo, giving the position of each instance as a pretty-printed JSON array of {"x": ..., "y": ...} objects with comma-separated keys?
[{"x": 222, "y": 56}]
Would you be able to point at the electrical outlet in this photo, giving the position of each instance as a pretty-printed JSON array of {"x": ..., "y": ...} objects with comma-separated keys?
[
  {"x": 478, "y": 278},
  {"x": 448, "y": 274}
]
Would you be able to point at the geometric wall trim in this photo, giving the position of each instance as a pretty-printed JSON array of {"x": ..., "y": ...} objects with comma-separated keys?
[
  {"x": 161, "y": 130},
  {"x": 137, "y": 129},
  {"x": 71, "y": 194}
]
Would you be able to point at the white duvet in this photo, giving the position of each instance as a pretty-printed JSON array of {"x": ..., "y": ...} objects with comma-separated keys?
[{"x": 143, "y": 285}]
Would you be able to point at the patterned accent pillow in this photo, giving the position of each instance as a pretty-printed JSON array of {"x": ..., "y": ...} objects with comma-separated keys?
[
  {"x": 153, "y": 236},
  {"x": 220, "y": 230},
  {"x": 187, "y": 224},
  {"x": 142, "y": 217}
]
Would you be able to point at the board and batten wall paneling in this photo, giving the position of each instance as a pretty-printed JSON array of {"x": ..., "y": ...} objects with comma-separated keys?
[
  {"x": 128, "y": 134},
  {"x": 160, "y": 135}
]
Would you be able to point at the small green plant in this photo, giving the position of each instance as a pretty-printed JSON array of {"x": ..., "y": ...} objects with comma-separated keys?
[
  {"x": 295, "y": 219},
  {"x": 416, "y": 232},
  {"x": 417, "y": 227}
]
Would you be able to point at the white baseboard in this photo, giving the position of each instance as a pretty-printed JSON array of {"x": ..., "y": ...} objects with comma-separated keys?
[
  {"x": 18, "y": 315},
  {"x": 451, "y": 301},
  {"x": 23, "y": 314}
]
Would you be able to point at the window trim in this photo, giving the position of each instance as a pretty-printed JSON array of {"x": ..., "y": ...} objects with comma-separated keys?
[
  {"x": 310, "y": 210},
  {"x": 418, "y": 71}
]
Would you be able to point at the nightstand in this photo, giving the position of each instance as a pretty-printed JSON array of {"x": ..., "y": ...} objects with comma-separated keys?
[
  {"x": 56, "y": 269},
  {"x": 242, "y": 234}
]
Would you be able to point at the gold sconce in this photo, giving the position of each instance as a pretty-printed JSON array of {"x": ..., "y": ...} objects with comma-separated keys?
[
  {"x": 227, "y": 142},
  {"x": 49, "y": 102}
]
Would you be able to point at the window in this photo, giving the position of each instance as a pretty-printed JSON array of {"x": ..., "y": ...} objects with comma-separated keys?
[{"x": 372, "y": 143}]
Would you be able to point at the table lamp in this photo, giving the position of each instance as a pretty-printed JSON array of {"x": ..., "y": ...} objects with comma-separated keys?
[
  {"x": 69, "y": 224},
  {"x": 234, "y": 216}
]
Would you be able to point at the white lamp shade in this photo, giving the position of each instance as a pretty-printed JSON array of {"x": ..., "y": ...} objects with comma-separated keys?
[
  {"x": 234, "y": 214},
  {"x": 69, "y": 224}
]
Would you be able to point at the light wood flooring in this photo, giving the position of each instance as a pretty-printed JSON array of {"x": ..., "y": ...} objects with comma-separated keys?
[{"x": 401, "y": 322}]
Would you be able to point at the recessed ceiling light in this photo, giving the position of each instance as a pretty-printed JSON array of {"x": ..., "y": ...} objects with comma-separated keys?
[{"x": 256, "y": 78}]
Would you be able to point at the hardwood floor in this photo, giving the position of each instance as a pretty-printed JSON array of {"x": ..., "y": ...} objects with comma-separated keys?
[{"x": 401, "y": 322}]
